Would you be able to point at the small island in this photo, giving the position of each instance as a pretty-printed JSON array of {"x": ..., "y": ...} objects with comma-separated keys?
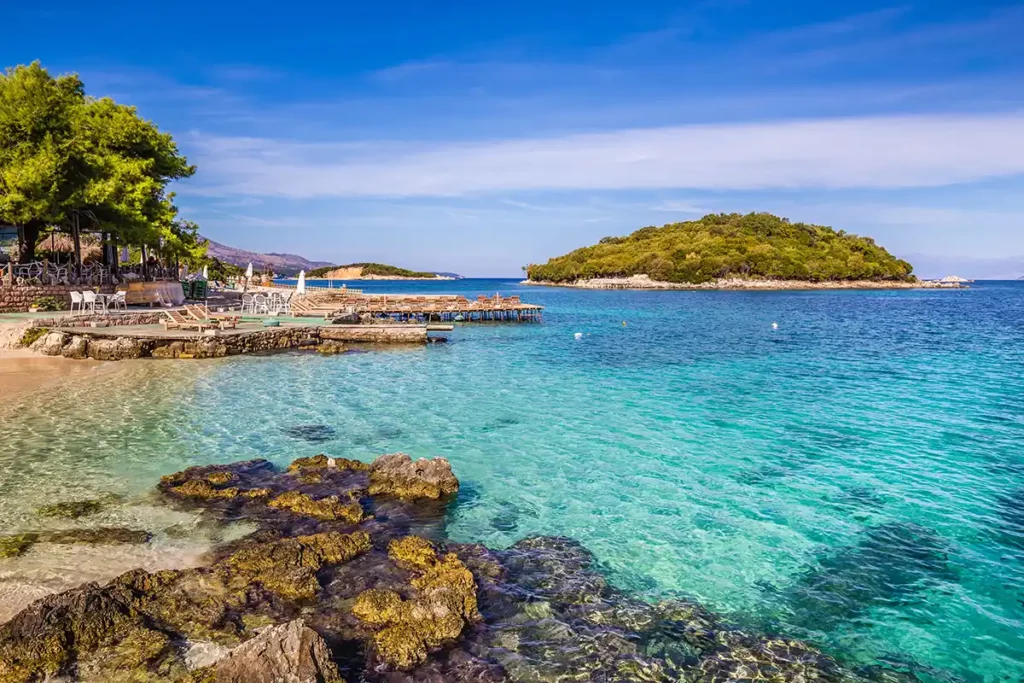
[
  {"x": 374, "y": 271},
  {"x": 730, "y": 251}
]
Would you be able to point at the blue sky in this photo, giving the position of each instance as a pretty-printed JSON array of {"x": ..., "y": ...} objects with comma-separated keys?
[{"x": 479, "y": 137}]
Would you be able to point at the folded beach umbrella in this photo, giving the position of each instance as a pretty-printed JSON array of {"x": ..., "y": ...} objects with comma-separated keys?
[
  {"x": 206, "y": 272},
  {"x": 248, "y": 272},
  {"x": 300, "y": 288}
]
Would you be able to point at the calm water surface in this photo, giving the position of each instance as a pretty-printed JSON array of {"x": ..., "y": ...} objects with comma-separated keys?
[{"x": 855, "y": 477}]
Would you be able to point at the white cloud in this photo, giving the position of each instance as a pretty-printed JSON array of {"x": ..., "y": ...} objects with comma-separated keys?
[{"x": 879, "y": 152}]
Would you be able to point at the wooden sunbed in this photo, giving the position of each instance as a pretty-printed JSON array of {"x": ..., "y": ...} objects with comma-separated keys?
[
  {"x": 176, "y": 320},
  {"x": 202, "y": 314}
]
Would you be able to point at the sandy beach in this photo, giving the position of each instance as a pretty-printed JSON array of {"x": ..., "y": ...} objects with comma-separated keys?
[{"x": 23, "y": 371}]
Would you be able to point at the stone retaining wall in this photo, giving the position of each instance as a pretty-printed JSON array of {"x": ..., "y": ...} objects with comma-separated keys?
[
  {"x": 376, "y": 334},
  {"x": 112, "y": 319},
  {"x": 104, "y": 346},
  {"x": 15, "y": 299}
]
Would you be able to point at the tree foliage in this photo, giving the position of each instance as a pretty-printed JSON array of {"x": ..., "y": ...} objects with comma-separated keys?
[
  {"x": 67, "y": 157},
  {"x": 756, "y": 245}
]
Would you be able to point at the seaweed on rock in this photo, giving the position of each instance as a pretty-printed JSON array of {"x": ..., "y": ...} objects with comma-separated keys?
[{"x": 322, "y": 595}]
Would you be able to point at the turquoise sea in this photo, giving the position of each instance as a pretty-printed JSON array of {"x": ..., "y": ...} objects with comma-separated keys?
[{"x": 854, "y": 477}]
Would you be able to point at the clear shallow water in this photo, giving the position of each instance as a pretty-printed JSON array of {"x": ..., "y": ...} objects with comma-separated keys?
[{"x": 855, "y": 477}]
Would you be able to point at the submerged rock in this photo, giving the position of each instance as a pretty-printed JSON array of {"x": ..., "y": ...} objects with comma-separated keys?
[
  {"x": 311, "y": 433},
  {"x": 329, "y": 347},
  {"x": 330, "y": 508},
  {"x": 97, "y": 536},
  {"x": 72, "y": 509},
  {"x": 16, "y": 544},
  {"x": 443, "y": 602},
  {"x": 288, "y": 653},
  {"x": 323, "y": 591},
  {"x": 399, "y": 475}
]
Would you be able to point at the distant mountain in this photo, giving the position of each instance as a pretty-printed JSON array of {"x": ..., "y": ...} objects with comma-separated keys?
[{"x": 282, "y": 264}]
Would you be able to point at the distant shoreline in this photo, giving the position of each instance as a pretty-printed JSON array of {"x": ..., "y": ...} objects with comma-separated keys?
[{"x": 644, "y": 282}]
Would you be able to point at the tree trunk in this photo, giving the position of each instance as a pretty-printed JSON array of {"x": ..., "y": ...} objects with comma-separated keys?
[
  {"x": 30, "y": 235},
  {"x": 77, "y": 236}
]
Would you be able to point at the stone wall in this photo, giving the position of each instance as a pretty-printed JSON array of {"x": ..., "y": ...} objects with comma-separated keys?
[
  {"x": 376, "y": 334},
  {"x": 104, "y": 345},
  {"x": 15, "y": 299},
  {"x": 112, "y": 319}
]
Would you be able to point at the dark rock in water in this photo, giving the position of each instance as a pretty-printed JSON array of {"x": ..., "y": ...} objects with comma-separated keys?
[
  {"x": 71, "y": 509},
  {"x": 98, "y": 536},
  {"x": 311, "y": 433},
  {"x": 398, "y": 475},
  {"x": 329, "y": 347},
  {"x": 288, "y": 653},
  {"x": 16, "y": 544},
  {"x": 890, "y": 565},
  {"x": 442, "y": 603},
  {"x": 328, "y": 508},
  {"x": 47, "y": 638},
  {"x": 506, "y": 522}
]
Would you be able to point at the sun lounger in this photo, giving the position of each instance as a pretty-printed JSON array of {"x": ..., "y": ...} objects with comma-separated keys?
[
  {"x": 202, "y": 314},
  {"x": 175, "y": 320}
]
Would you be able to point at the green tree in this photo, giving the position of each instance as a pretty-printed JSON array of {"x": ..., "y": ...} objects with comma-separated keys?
[
  {"x": 756, "y": 245},
  {"x": 68, "y": 160},
  {"x": 38, "y": 168}
]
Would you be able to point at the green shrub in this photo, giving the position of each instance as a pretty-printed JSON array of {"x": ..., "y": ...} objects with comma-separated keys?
[
  {"x": 49, "y": 303},
  {"x": 29, "y": 336}
]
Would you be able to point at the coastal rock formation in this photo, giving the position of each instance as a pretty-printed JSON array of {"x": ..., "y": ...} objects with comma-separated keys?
[
  {"x": 288, "y": 653},
  {"x": 72, "y": 509},
  {"x": 398, "y": 475},
  {"x": 443, "y": 602},
  {"x": 50, "y": 344},
  {"x": 317, "y": 594},
  {"x": 77, "y": 348}
]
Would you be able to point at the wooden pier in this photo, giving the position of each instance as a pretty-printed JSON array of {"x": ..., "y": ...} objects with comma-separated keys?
[{"x": 441, "y": 308}]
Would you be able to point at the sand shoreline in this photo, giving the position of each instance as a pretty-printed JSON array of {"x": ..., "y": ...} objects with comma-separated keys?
[
  {"x": 23, "y": 371},
  {"x": 645, "y": 282}
]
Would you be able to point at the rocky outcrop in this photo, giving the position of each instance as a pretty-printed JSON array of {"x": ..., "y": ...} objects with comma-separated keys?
[
  {"x": 330, "y": 508},
  {"x": 118, "y": 348},
  {"x": 71, "y": 509},
  {"x": 442, "y": 603},
  {"x": 77, "y": 348},
  {"x": 324, "y": 597},
  {"x": 288, "y": 653},
  {"x": 50, "y": 344},
  {"x": 399, "y": 475}
]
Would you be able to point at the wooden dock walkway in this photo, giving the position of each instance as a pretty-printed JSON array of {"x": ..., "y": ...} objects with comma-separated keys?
[{"x": 441, "y": 308}]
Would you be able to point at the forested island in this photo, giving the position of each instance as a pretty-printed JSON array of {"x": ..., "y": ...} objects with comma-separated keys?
[
  {"x": 372, "y": 271},
  {"x": 729, "y": 250}
]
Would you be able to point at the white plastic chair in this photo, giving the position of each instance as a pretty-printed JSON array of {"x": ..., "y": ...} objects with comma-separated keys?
[
  {"x": 260, "y": 304},
  {"x": 89, "y": 299},
  {"x": 247, "y": 304},
  {"x": 77, "y": 298},
  {"x": 118, "y": 300}
]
